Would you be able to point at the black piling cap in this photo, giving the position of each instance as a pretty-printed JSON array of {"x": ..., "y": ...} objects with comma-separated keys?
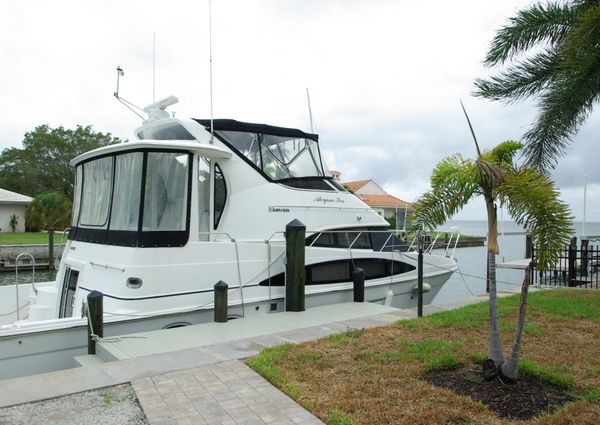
[
  {"x": 221, "y": 286},
  {"x": 295, "y": 224},
  {"x": 357, "y": 271},
  {"x": 95, "y": 295}
]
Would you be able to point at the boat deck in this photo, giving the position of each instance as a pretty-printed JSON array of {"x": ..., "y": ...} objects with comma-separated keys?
[{"x": 205, "y": 334}]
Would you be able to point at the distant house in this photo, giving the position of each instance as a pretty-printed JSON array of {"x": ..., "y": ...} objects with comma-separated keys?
[
  {"x": 12, "y": 203},
  {"x": 382, "y": 202}
]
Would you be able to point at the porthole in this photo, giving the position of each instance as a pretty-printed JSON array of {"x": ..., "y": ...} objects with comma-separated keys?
[{"x": 134, "y": 282}]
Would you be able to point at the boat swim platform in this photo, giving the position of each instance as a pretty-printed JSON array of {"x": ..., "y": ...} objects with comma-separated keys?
[{"x": 247, "y": 330}]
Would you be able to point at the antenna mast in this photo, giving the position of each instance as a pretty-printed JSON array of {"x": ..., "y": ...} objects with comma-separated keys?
[
  {"x": 210, "y": 66},
  {"x": 309, "y": 111},
  {"x": 128, "y": 104},
  {"x": 153, "y": 67}
]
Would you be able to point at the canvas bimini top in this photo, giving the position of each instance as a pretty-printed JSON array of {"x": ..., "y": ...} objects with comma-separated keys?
[
  {"x": 234, "y": 125},
  {"x": 283, "y": 155}
]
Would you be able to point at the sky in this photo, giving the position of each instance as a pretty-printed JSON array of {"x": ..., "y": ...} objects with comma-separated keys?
[{"x": 385, "y": 78}]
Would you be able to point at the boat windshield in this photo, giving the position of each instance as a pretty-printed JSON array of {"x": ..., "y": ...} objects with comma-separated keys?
[{"x": 279, "y": 157}]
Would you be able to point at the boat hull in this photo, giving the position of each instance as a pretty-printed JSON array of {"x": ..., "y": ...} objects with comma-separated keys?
[{"x": 52, "y": 345}]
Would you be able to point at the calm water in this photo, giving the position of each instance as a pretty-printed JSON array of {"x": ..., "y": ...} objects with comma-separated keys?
[
  {"x": 25, "y": 276},
  {"x": 472, "y": 261}
]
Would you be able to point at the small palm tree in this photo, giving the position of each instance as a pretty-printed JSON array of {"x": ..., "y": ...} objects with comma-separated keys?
[
  {"x": 552, "y": 54},
  {"x": 531, "y": 200}
]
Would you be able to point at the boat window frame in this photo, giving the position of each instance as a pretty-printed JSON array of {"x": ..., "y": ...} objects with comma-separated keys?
[
  {"x": 139, "y": 237},
  {"x": 216, "y": 219},
  {"x": 104, "y": 224},
  {"x": 392, "y": 268},
  {"x": 68, "y": 293},
  {"x": 289, "y": 182}
]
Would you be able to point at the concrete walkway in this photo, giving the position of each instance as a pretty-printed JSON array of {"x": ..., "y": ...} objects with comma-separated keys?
[{"x": 202, "y": 385}]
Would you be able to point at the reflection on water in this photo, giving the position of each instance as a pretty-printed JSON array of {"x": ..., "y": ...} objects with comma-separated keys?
[{"x": 25, "y": 276}]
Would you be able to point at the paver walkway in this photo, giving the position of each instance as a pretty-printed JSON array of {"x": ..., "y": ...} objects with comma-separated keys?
[
  {"x": 227, "y": 393},
  {"x": 203, "y": 385}
]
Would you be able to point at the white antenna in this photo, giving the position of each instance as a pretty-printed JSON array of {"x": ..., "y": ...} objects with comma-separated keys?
[
  {"x": 210, "y": 64},
  {"x": 309, "y": 111},
  {"x": 153, "y": 67}
]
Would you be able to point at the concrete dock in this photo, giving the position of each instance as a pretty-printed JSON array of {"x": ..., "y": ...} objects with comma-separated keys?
[{"x": 194, "y": 374}]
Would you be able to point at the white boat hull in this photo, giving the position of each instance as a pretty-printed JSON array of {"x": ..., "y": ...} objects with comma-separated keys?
[{"x": 38, "y": 347}]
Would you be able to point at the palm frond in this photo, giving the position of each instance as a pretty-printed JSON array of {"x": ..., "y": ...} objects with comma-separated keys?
[
  {"x": 540, "y": 23},
  {"x": 534, "y": 203},
  {"x": 563, "y": 109},
  {"x": 504, "y": 153},
  {"x": 453, "y": 184},
  {"x": 488, "y": 174},
  {"x": 524, "y": 79}
]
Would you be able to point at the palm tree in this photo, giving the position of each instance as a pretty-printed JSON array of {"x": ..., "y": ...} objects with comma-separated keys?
[
  {"x": 531, "y": 200},
  {"x": 551, "y": 50}
]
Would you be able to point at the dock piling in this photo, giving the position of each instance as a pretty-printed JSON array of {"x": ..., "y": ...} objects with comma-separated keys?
[
  {"x": 95, "y": 319},
  {"x": 420, "y": 283},
  {"x": 221, "y": 301},
  {"x": 51, "y": 248},
  {"x": 358, "y": 277},
  {"x": 572, "y": 263},
  {"x": 295, "y": 234}
]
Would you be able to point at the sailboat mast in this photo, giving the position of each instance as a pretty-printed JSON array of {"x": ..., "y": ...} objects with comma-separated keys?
[{"x": 211, "y": 67}]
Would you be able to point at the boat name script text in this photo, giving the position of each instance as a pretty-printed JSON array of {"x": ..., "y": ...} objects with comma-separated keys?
[{"x": 325, "y": 201}]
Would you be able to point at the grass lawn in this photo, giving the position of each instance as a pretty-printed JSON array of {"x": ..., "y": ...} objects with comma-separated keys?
[
  {"x": 374, "y": 376},
  {"x": 24, "y": 238}
]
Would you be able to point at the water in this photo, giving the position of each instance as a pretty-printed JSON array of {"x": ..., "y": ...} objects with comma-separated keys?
[
  {"x": 25, "y": 276},
  {"x": 472, "y": 261}
]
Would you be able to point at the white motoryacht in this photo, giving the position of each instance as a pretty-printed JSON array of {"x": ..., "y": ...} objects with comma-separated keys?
[{"x": 158, "y": 220}]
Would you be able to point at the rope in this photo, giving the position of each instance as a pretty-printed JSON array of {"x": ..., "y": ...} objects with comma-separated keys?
[
  {"x": 14, "y": 311},
  {"x": 97, "y": 338},
  {"x": 470, "y": 275}
]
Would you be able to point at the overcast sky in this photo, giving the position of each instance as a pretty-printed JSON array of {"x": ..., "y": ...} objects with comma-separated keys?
[{"x": 385, "y": 78}]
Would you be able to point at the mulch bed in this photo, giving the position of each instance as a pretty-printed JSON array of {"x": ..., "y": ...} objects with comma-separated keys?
[{"x": 523, "y": 400}]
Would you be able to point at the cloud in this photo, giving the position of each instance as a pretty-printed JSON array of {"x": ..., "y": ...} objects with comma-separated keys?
[{"x": 385, "y": 77}]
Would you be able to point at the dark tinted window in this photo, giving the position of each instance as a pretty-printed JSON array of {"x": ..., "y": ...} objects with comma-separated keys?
[
  {"x": 220, "y": 195},
  {"x": 386, "y": 241},
  {"x": 357, "y": 238},
  {"x": 307, "y": 183},
  {"x": 341, "y": 271},
  {"x": 173, "y": 132}
]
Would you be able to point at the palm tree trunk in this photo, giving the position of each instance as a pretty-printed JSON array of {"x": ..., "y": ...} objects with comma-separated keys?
[
  {"x": 511, "y": 366},
  {"x": 495, "y": 351}
]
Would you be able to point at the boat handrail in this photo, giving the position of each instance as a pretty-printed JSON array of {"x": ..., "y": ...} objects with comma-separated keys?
[
  {"x": 17, "y": 278},
  {"x": 430, "y": 246},
  {"x": 62, "y": 236},
  {"x": 433, "y": 243},
  {"x": 107, "y": 266}
]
